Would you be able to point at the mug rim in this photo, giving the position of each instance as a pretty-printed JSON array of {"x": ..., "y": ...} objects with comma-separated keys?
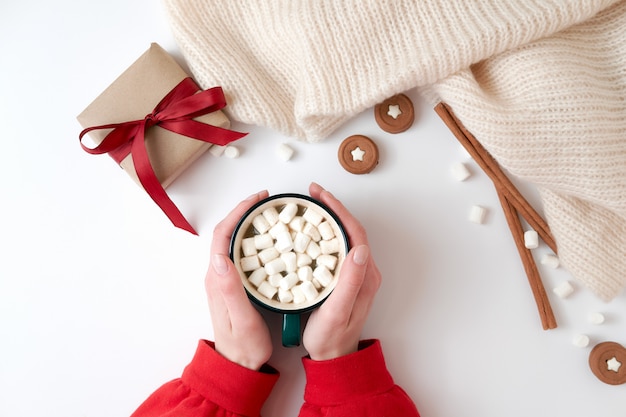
[{"x": 264, "y": 201}]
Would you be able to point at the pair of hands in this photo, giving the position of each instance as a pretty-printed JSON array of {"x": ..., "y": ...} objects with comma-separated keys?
[{"x": 333, "y": 330}]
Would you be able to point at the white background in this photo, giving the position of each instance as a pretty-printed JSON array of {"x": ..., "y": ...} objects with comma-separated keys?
[{"x": 102, "y": 300}]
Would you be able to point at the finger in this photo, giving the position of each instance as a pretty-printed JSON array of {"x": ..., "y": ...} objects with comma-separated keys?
[
  {"x": 357, "y": 229},
  {"x": 231, "y": 291},
  {"x": 315, "y": 190},
  {"x": 351, "y": 278},
  {"x": 366, "y": 295},
  {"x": 224, "y": 229},
  {"x": 217, "y": 309},
  {"x": 356, "y": 232}
]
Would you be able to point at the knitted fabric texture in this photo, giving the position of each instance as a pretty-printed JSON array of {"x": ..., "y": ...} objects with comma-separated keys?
[
  {"x": 554, "y": 113},
  {"x": 541, "y": 84}
]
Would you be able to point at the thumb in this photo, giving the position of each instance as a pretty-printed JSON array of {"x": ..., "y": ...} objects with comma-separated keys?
[
  {"x": 229, "y": 285},
  {"x": 351, "y": 279},
  {"x": 220, "y": 263}
]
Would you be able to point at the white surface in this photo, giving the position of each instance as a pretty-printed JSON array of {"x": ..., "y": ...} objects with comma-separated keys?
[{"x": 101, "y": 299}]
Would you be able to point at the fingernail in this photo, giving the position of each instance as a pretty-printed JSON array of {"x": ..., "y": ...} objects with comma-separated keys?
[
  {"x": 219, "y": 264},
  {"x": 361, "y": 253}
]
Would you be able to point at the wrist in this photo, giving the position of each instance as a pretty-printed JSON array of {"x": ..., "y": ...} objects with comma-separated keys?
[
  {"x": 240, "y": 359},
  {"x": 329, "y": 354}
]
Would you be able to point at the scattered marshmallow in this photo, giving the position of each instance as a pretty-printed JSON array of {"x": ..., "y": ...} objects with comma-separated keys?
[
  {"x": 551, "y": 260},
  {"x": 595, "y": 318},
  {"x": 284, "y": 152},
  {"x": 231, "y": 151},
  {"x": 531, "y": 239},
  {"x": 217, "y": 150},
  {"x": 460, "y": 172},
  {"x": 581, "y": 340},
  {"x": 477, "y": 214},
  {"x": 563, "y": 290}
]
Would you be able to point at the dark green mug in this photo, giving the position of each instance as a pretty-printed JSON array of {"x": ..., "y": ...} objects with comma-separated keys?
[{"x": 327, "y": 247}]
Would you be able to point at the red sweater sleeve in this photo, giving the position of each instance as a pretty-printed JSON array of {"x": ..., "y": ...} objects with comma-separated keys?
[
  {"x": 211, "y": 385},
  {"x": 358, "y": 384}
]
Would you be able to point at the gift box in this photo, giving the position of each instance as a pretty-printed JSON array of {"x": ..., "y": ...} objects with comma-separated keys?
[{"x": 155, "y": 121}]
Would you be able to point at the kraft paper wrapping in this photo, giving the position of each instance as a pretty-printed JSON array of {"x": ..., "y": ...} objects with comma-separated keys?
[{"x": 132, "y": 96}]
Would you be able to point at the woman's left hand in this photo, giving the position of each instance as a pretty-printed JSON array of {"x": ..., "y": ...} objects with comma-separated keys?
[{"x": 241, "y": 334}]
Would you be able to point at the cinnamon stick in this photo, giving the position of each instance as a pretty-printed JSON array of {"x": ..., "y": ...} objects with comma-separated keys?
[
  {"x": 546, "y": 314},
  {"x": 491, "y": 167},
  {"x": 514, "y": 204}
]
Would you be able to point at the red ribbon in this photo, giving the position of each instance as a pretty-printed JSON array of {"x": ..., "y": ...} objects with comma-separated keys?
[{"x": 175, "y": 113}]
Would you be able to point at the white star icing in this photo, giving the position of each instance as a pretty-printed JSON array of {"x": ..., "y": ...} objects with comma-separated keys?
[
  {"x": 613, "y": 364},
  {"x": 357, "y": 154},
  {"x": 394, "y": 111}
]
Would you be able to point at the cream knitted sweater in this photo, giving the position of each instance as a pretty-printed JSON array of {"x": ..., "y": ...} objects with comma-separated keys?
[{"x": 541, "y": 83}]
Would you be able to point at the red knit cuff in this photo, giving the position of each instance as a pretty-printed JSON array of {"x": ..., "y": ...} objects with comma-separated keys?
[
  {"x": 231, "y": 386},
  {"x": 340, "y": 380}
]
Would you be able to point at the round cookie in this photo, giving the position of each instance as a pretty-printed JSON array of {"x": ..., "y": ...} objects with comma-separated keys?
[
  {"x": 396, "y": 114},
  {"x": 358, "y": 154},
  {"x": 608, "y": 362}
]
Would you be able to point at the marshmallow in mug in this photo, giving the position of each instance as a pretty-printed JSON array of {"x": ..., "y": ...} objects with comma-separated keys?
[{"x": 290, "y": 253}]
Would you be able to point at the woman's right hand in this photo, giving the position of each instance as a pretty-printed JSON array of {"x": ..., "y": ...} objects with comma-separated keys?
[{"x": 334, "y": 329}]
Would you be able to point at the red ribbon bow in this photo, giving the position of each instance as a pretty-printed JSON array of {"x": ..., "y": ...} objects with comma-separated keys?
[{"x": 175, "y": 113}]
